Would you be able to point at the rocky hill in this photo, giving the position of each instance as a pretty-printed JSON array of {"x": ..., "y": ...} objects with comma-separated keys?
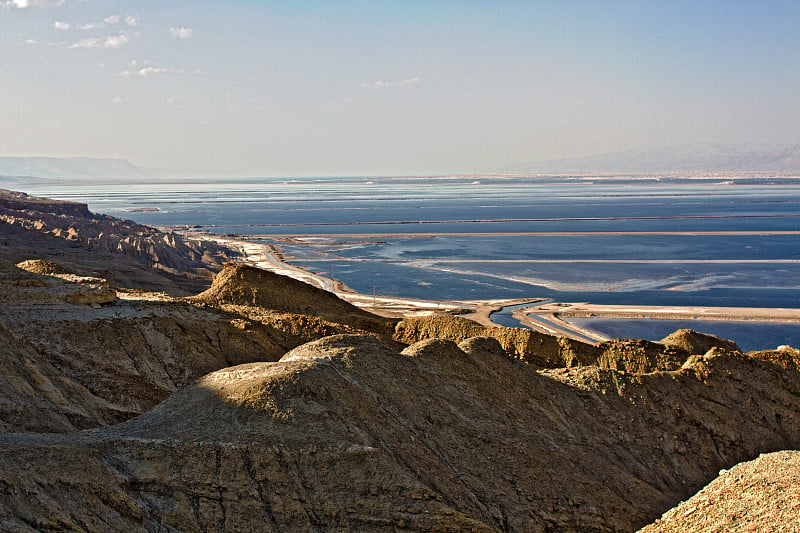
[
  {"x": 265, "y": 404},
  {"x": 123, "y": 252},
  {"x": 79, "y": 354},
  {"x": 345, "y": 433},
  {"x": 244, "y": 288},
  {"x": 540, "y": 350}
]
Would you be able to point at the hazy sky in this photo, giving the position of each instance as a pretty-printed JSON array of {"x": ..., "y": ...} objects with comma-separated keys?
[{"x": 352, "y": 87}]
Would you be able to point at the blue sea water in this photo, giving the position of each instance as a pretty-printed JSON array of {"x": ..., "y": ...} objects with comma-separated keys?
[
  {"x": 658, "y": 240},
  {"x": 747, "y": 334}
]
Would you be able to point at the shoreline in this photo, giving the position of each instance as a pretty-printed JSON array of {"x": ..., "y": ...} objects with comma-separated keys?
[
  {"x": 546, "y": 318},
  {"x": 268, "y": 257}
]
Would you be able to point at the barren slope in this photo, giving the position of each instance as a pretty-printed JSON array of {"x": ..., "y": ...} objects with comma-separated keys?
[
  {"x": 66, "y": 365},
  {"x": 344, "y": 433},
  {"x": 121, "y": 251},
  {"x": 247, "y": 286},
  {"x": 760, "y": 495}
]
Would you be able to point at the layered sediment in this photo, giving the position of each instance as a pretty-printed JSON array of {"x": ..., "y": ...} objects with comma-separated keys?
[{"x": 87, "y": 244}]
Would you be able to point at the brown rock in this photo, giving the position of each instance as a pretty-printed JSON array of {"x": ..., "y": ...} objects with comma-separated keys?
[
  {"x": 42, "y": 266},
  {"x": 92, "y": 296},
  {"x": 697, "y": 343},
  {"x": 759, "y": 495},
  {"x": 345, "y": 433},
  {"x": 248, "y": 286}
]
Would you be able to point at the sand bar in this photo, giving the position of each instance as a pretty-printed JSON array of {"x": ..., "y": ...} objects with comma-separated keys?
[{"x": 588, "y": 310}]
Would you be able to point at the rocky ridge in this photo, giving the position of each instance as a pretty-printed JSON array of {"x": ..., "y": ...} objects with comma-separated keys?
[
  {"x": 123, "y": 252},
  {"x": 540, "y": 350},
  {"x": 243, "y": 287},
  {"x": 345, "y": 433},
  {"x": 81, "y": 354}
]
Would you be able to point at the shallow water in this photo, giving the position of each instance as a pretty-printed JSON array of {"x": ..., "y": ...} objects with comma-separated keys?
[
  {"x": 622, "y": 240},
  {"x": 747, "y": 334}
]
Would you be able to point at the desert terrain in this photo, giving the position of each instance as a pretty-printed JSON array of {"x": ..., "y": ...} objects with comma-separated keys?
[{"x": 152, "y": 381}]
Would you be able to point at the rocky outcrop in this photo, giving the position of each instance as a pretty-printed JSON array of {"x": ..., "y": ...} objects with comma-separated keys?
[
  {"x": 785, "y": 356},
  {"x": 536, "y": 349},
  {"x": 69, "y": 366},
  {"x": 92, "y": 295},
  {"x": 42, "y": 266},
  {"x": 759, "y": 495},
  {"x": 345, "y": 433},
  {"x": 541, "y": 350},
  {"x": 88, "y": 244},
  {"x": 640, "y": 356},
  {"x": 697, "y": 343},
  {"x": 19, "y": 201},
  {"x": 250, "y": 287},
  {"x": 82, "y": 373}
]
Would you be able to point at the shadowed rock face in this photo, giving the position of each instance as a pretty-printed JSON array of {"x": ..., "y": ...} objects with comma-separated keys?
[
  {"x": 345, "y": 433},
  {"x": 66, "y": 365},
  {"x": 75, "y": 374},
  {"x": 18, "y": 201}
]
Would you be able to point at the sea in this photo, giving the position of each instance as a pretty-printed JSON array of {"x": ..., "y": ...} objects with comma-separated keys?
[{"x": 688, "y": 240}]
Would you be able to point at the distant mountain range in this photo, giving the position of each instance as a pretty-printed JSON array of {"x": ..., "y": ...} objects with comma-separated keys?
[
  {"x": 682, "y": 158},
  {"x": 69, "y": 167}
]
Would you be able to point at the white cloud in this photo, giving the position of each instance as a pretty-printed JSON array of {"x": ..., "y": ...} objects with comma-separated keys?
[
  {"x": 181, "y": 33},
  {"x": 59, "y": 25},
  {"x": 145, "y": 69},
  {"x": 109, "y": 41},
  {"x": 108, "y": 21},
  {"x": 87, "y": 43},
  {"x": 23, "y": 4},
  {"x": 151, "y": 71},
  {"x": 116, "y": 41},
  {"x": 409, "y": 82}
]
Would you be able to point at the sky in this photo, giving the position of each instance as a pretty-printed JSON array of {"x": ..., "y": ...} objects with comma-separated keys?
[{"x": 349, "y": 87}]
